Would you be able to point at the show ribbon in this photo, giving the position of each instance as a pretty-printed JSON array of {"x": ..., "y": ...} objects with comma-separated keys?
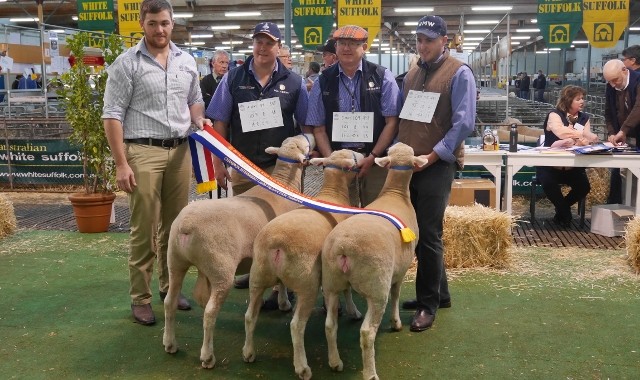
[
  {"x": 202, "y": 161},
  {"x": 216, "y": 144}
]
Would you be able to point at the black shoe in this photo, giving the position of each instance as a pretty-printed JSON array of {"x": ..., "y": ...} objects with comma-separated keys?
[
  {"x": 271, "y": 303},
  {"x": 183, "y": 303},
  {"x": 421, "y": 321},
  {"x": 143, "y": 314},
  {"x": 241, "y": 282},
  {"x": 413, "y": 304}
]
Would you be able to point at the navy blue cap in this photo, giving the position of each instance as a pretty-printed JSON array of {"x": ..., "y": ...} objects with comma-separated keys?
[
  {"x": 268, "y": 28},
  {"x": 432, "y": 26}
]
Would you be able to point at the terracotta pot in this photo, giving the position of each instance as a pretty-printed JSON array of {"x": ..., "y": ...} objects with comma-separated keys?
[{"x": 92, "y": 211}]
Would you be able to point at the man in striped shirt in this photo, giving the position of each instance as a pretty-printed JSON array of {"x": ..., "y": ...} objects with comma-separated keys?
[{"x": 152, "y": 97}]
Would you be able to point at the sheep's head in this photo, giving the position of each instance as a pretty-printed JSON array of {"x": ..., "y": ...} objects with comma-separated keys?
[
  {"x": 343, "y": 159},
  {"x": 294, "y": 148},
  {"x": 401, "y": 155}
]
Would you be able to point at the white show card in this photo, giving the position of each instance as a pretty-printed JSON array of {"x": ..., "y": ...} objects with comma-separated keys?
[
  {"x": 260, "y": 114},
  {"x": 352, "y": 127},
  {"x": 420, "y": 106},
  {"x": 7, "y": 63}
]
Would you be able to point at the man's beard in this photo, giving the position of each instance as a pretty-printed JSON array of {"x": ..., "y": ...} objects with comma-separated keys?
[{"x": 153, "y": 43}]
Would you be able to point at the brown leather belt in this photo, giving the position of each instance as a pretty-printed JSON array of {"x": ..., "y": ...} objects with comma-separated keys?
[{"x": 162, "y": 143}]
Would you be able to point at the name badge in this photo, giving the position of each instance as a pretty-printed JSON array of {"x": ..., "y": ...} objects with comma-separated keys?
[
  {"x": 260, "y": 114},
  {"x": 352, "y": 127},
  {"x": 578, "y": 127},
  {"x": 419, "y": 106}
]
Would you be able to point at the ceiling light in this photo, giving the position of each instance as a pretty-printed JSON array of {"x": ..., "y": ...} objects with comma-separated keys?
[
  {"x": 635, "y": 28},
  {"x": 24, "y": 19},
  {"x": 281, "y": 26},
  {"x": 520, "y": 37},
  {"x": 474, "y": 38},
  {"x": 201, "y": 35},
  {"x": 223, "y": 47},
  {"x": 482, "y": 22},
  {"x": 225, "y": 27},
  {"x": 515, "y": 42},
  {"x": 182, "y": 15},
  {"x": 492, "y": 8},
  {"x": 245, "y": 51},
  {"x": 531, "y": 30},
  {"x": 297, "y": 46},
  {"x": 410, "y": 23},
  {"x": 197, "y": 43},
  {"x": 74, "y": 18},
  {"x": 477, "y": 31},
  {"x": 243, "y": 14},
  {"x": 580, "y": 42},
  {"x": 52, "y": 30},
  {"x": 413, "y": 10},
  {"x": 534, "y": 20}
]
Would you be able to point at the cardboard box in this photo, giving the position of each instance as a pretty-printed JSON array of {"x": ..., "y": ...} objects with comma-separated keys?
[
  {"x": 610, "y": 220},
  {"x": 467, "y": 191}
]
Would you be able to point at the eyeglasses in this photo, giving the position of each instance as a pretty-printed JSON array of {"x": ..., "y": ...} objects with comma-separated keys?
[
  {"x": 351, "y": 44},
  {"x": 284, "y": 56}
]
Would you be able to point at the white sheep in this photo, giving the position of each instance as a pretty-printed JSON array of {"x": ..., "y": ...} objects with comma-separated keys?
[
  {"x": 287, "y": 250},
  {"x": 367, "y": 253},
  {"x": 217, "y": 235}
]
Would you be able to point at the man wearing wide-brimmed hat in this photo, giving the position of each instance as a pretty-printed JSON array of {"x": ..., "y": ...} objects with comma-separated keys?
[
  {"x": 355, "y": 87},
  {"x": 440, "y": 140}
]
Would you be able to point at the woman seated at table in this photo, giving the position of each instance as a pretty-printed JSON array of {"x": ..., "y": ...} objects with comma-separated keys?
[{"x": 564, "y": 127}]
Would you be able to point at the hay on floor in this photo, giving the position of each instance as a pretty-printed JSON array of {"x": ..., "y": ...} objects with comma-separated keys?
[
  {"x": 632, "y": 241},
  {"x": 476, "y": 236},
  {"x": 7, "y": 217}
]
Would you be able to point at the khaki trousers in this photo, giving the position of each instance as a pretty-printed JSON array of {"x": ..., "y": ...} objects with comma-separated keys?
[
  {"x": 368, "y": 188},
  {"x": 163, "y": 178},
  {"x": 240, "y": 183}
]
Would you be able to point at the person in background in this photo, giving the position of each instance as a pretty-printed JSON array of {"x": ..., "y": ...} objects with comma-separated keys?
[
  {"x": 16, "y": 82},
  {"x": 219, "y": 65},
  {"x": 262, "y": 76},
  {"x": 442, "y": 142},
  {"x": 285, "y": 57},
  {"x": 329, "y": 56},
  {"x": 147, "y": 131},
  {"x": 540, "y": 85},
  {"x": 356, "y": 85},
  {"x": 312, "y": 74},
  {"x": 621, "y": 113},
  {"x": 525, "y": 84},
  {"x": 566, "y": 126},
  {"x": 631, "y": 57},
  {"x": 413, "y": 61}
]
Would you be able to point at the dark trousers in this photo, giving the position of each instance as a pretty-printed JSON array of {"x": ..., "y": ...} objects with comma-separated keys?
[
  {"x": 430, "y": 191},
  {"x": 539, "y": 96},
  {"x": 615, "y": 187},
  {"x": 552, "y": 178},
  {"x": 524, "y": 94}
]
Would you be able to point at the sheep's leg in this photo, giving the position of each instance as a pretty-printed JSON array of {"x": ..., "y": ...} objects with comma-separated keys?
[
  {"x": 396, "y": 323},
  {"x": 250, "y": 320},
  {"x": 368, "y": 331},
  {"x": 331, "y": 329},
  {"x": 176, "y": 278},
  {"x": 283, "y": 298},
  {"x": 350, "y": 306},
  {"x": 304, "y": 306},
  {"x": 216, "y": 299}
]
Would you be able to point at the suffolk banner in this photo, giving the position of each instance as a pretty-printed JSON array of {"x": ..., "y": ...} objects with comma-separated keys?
[
  {"x": 366, "y": 14},
  {"x": 96, "y": 16},
  {"x": 129, "y": 21},
  {"x": 604, "y": 21},
  {"x": 312, "y": 21},
  {"x": 559, "y": 21}
]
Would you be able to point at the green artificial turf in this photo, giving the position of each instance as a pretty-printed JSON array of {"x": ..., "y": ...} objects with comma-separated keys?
[{"x": 554, "y": 314}]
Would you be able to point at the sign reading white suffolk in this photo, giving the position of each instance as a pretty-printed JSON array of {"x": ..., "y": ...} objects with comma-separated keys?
[
  {"x": 260, "y": 114},
  {"x": 352, "y": 127},
  {"x": 420, "y": 106}
]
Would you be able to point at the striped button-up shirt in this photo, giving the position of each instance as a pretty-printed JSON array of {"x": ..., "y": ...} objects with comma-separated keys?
[{"x": 148, "y": 100}]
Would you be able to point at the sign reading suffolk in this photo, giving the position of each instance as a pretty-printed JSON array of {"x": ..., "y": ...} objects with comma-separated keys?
[
  {"x": 96, "y": 15},
  {"x": 366, "y": 14},
  {"x": 604, "y": 21},
  {"x": 312, "y": 21},
  {"x": 559, "y": 21}
]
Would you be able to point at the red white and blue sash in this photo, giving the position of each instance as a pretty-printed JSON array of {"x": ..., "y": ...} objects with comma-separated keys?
[{"x": 210, "y": 140}]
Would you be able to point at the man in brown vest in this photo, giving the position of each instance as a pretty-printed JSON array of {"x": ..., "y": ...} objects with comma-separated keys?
[{"x": 440, "y": 139}]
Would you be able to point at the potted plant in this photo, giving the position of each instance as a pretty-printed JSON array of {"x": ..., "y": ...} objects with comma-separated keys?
[{"x": 81, "y": 92}]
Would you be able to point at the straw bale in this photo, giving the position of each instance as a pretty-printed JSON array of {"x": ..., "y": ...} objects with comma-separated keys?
[
  {"x": 7, "y": 217},
  {"x": 476, "y": 236},
  {"x": 632, "y": 241},
  {"x": 599, "y": 181}
]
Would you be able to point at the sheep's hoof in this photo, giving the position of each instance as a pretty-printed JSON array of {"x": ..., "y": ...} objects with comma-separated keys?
[
  {"x": 396, "y": 326},
  {"x": 171, "y": 348},
  {"x": 305, "y": 374},
  {"x": 337, "y": 367},
  {"x": 374, "y": 377},
  {"x": 356, "y": 316},
  {"x": 209, "y": 362},
  {"x": 248, "y": 356}
]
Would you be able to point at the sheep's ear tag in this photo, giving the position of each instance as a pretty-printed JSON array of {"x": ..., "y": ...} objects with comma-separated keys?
[{"x": 407, "y": 235}]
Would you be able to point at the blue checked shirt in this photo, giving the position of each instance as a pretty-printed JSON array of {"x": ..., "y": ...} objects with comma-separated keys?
[{"x": 148, "y": 100}]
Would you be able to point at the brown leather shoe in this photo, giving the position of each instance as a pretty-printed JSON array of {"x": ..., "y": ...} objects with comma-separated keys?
[
  {"x": 143, "y": 314},
  {"x": 183, "y": 303},
  {"x": 421, "y": 321},
  {"x": 413, "y": 304}
]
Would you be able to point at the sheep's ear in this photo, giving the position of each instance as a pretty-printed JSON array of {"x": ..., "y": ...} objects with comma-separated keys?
[
  {"x": 420, "y": 161},
  {"x": 272, "y": 150},
  {"x": 317, "y": 161},
  {"x": 301, "y": 157},
  {"x": 382, "y": 161}
]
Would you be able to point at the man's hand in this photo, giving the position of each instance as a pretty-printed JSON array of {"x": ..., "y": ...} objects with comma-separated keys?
[
  {"x": 201, "y": 122},
  {"x": 365, "y": 165},
  {"x": 222, "y": 175},
  {"x": 618, "y": 139},
  {"x": 125, "y": 179},
  {"x": 431, "y": 159}
]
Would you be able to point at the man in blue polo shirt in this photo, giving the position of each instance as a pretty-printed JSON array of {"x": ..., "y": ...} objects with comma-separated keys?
[{"x": 355, "y": 87}]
